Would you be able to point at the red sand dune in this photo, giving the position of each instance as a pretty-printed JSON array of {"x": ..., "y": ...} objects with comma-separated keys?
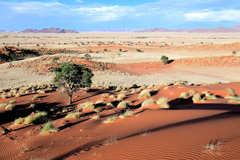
[{"x": 181, "y": 132}]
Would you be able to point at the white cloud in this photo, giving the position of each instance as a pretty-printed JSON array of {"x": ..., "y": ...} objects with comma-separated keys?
[
  {"x": 214, "y": 16},
  {"x": 105, "y": 13}
]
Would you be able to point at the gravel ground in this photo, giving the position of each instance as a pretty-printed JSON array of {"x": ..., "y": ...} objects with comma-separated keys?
[{"x": 15, "y": 77}]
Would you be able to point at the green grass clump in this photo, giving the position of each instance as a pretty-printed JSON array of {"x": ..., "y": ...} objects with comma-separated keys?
[
  {"x": 110, "y": 119},
  {"x": 18, "y": 121},
  {"x": 196, "y": 97},
  {"x": 37, "y": 117},
  {"x": 231, "y": 91},
  {"x": 147, "y": 102},
  {"x": 73, "y": 115},
  {"x": 49, "y": 128},
  {"x": 183, "y": 95},
  {"x": 9, "y": 107},
  {"x": 125, "y": 114},
  {"x": 162, "y": 102},
  {"x": 144, "y": 94},
  {"x": 112, "y": 96}
]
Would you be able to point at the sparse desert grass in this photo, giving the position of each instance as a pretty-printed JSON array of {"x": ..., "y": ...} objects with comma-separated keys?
[
  {"x": 39, "y": 116},
  {"x": 86, "y": 105},
  {"x": 109, "y": 104},
  {"x": 144, "y": 94},
  {"x": 123, "y": 104},
  {"x": 165, "y": 88},
  {"x": 133, "y": 91},
  {"x": 3, "y": 105},
  {"x": 110, "y": 119},
  {"x": 211, "y": 97},
  {"x": 95, "y": 117},
  {"x": 151, "y": 86},
  {"x": 183, "y": 95},
  {"x": 118, "y": 89},
  {"x": 9, "y": 107},
  {"x": 230, "y": 91},
  {"x": 192, "y": 92},
  {"x": 196, "y": 97},
  {"x": 99, "y": 102},
  {"x": 12, "y": 101},
  {"x": 234, "y": 99},
  {"x": 48, "y": 128},
  {"x": 97, "y": 110},
  {"x": 105, "y": 95},
  {"x": 162, "y": 102},
  {"x": 3, "y": 95},
  {"x": 147, "y": 102},
  {"x": 73, "y": 115},
  {"x": 112, "y": 96},
  {"x": 121, "y": 96},
  {"x": 20, "y": 120},
  {"x": 125, "y": 114}
]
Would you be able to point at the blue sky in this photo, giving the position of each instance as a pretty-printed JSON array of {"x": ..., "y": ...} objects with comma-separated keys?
[{"x": 101, "y": 14}]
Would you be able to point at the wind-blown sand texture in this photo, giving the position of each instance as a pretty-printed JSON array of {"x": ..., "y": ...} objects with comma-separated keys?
[{"x": 181, "y": 132}]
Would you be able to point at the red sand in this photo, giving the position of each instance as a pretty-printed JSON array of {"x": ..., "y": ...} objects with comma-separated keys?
[{"x": 178, "y": 133}]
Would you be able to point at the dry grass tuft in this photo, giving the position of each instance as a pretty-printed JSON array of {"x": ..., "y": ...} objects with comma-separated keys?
[{"x": 162, "y": 102}]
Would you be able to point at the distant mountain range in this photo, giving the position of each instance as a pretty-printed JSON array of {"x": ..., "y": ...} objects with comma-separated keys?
[
  {"x": 196, "y": 30},
  {"x": 49, "y": 30},
  {"x": 191, "y": 30}
]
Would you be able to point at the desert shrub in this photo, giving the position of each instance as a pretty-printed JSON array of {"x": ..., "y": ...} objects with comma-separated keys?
[
  {"x": 133, "y": 91},
  {"x": 48, "y": 127},
  {"x": 18, "y": 121},
  {"x": 183, "y": 95},
  {"x": 73, "y": 115},
  {"x": 165, "y": 60},
  {"x": 147, "y": 102},
  {"x": 230, "y": 91},
  {"x": 120, "y": 96},
  {"x": 125, "y": 114},
  {"x": 105, "y": 95},
  {"x": 144, "y": 94},
  {"x": 196, "y": 97},
  {"x": 109, "y": 104},
  {"x": 123, "y": 104},
  {"x": 9, "y": 107},
  {"x": 110, "y": 119},
  {"x": 162, "y": 102}
]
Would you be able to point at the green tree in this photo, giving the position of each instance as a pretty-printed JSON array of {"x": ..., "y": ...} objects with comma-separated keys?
[
  {"x": 165, "y": 59},
  {"x": 87, "y": 56},
  {"x": 71, "y": 77}
]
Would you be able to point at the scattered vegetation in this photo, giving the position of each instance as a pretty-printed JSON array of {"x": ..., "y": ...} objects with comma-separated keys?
[
  {"x": 196, "y": 98},
  {"x": 165, "y": 60},
  {"x": 162, "y": 102},
  {"x": 230, "y": 91},
  {"x": 125, "y": 114},
  {"x": 144, "y": 94},
  {"x": 110, "y": 119},
  {"x": 48, "y": 128}
]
